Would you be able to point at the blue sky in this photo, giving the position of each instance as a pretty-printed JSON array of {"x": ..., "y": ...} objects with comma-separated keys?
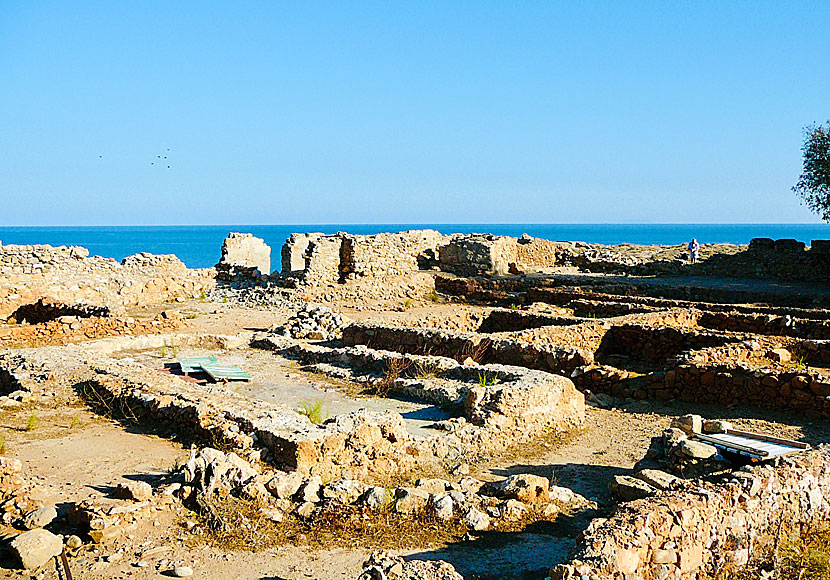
[{"x": 421, "y": 112}]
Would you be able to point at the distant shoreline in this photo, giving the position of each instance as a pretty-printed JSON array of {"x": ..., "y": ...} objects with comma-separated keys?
[{"x": 199, "y": 246}]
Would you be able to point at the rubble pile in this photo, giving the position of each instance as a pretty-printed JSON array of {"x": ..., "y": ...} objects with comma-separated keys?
[
  {"x": 314, "y": 323},
  {"x": 478, "y": 505}
]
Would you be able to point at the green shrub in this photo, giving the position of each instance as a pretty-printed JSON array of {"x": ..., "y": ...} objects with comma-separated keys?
[{"x": 315, "y": 411}]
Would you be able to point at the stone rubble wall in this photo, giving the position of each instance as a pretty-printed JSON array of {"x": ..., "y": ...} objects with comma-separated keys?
[
  {"x": 293, "y": 253},
  {"x": 69, "y": 275},
  {"x": 767, "y": 324},
  {"x": 45, "y": 311},
  {"x": 550, "y": 358},
  {"x": 704, "y": 528},
  {"x": 318, "y": 259},
  {"x": 244, "y": 257},
  {"x": 488, "y": 255},
  {"x": 387, "y": 254},
  {"x": 70, "y": 329}
]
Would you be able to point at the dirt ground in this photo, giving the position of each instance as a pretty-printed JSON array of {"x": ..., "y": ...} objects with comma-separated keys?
[{"x": 76, "y": 454}]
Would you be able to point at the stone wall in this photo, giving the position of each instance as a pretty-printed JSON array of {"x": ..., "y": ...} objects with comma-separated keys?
[
  {"x": 293, "y": 253},
  {"x": 328, "y": 259},
  {"x": 69, "y": 275},
  {"x": 388, "y": 254},
  {"x": 319, "y": 259},
  {"x": 243, "y": 257},
  {"x": 704, "y": 529},
  {"x": 459, "y": 346},
  {"x": 767, "y": 324},
  {"x": 488, "y": 255},
  {"x": 69, "y": 329}
]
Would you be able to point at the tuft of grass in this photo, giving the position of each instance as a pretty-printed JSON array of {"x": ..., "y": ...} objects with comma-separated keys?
[
  {"x": 408, "y": 303},
  {"x": 434, "y": 297},
  {"x": 76, "y": 421},
  {"x": 314, "y": 410},
  {"x": 202, "y": 296},
  {"x": 487, "y": 381},
  {"x": 424, "y": 370},
  {"x": 799, "y": 363},
  {"x": 32, "y": 423},
  {"x": 168, "y": 351}
]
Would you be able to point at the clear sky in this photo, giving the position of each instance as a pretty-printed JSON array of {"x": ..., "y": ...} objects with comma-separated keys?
[{"x": 418, "y": 112}]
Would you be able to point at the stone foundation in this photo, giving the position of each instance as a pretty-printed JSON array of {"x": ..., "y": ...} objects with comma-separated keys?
[{"x": 705, "y": 528}]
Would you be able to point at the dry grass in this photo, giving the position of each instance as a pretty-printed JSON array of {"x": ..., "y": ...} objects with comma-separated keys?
[
  {"x": 476, "y": 351},
  {"x": 395, "y": 367},
  {"x": 803, "y": 555},
  {"x": 235, "y": 524}
]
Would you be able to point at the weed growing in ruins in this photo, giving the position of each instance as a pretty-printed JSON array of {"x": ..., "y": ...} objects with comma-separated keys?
[
  {"x": 474, "y": 351},
  {"x": 424, "y": 370},
  {"x": 387, "y": 503},
  {"x": 75, "y": 422},
  {"x": 408, "y": 303},
  {"x": 32, "y": 423},
  {"x": 168, "y": 351},
  {"x": 434, "y": 297},
  {"x": 395, "y": 367},
  {"x": 315, "y": 411},
  {"x": 202, "y": 296},
  {"x": 487, "y": 381},
  {"x": 803, "y": 556},
  {"x": 800, "y": 363}
]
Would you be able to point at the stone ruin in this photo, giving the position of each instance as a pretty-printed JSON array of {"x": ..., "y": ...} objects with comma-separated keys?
[
  {"x": 243, "y": 257},
  {"x": 524, "y": 363}
]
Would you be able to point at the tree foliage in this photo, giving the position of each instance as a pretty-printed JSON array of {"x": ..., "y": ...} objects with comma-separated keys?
[{"x": 814, "y": 183}]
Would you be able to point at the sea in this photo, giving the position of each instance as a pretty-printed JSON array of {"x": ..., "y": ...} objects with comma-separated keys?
[{"x": 200, "y": 246}]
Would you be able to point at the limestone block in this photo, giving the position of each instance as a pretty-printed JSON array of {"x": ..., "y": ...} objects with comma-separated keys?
[{"x": 36, "y": 547}]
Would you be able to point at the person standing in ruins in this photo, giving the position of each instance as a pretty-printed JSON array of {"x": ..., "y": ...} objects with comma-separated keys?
[{"x": 694, "y": 250}]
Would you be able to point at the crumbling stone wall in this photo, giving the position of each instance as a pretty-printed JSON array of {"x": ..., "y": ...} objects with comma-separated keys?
[
  {"x": 45, "y": 311},
  {"x": 69, "y": 275},
  {"x": 488, "y": 255},
  {"x": 68, "y": 329},
  {"x": 243, "y": 257},
  {"x": 387, "y": 254},
  {"x": 293, "y": 253},
  {"x": 328, "y": 259},
  {"x": 765, "y": 258},
  {"x": 705, "y": 528},
  {"x": 551, "y": 358},
  {"x": 766, "y": 324}
]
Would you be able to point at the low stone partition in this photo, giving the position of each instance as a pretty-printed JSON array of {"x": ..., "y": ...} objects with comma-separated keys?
[
  {"x": 701, "y": 529},
  {"x": 68, "y": 329},
  {"x": 508, "y": 404},
  {"x": 68, "y": 275},
  {"x": 655, "y": 345},
  {"x": 514, "y": 320},
  {"x": 551, "y": 358},
  {"x": 766, "y": 324},
  {"x": 804, "y": 391},
  {"x": 509, "y": 399}
]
